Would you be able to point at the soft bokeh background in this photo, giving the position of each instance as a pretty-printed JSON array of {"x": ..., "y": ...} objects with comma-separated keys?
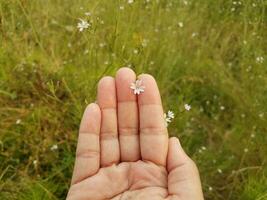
[{"x": 209, "y": 54}]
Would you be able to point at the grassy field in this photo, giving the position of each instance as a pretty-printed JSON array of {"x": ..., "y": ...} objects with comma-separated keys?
[{"x": 209, "y": 54}]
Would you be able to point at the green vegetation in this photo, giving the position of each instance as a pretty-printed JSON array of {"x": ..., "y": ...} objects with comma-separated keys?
[{"x": 209, "y": 54}]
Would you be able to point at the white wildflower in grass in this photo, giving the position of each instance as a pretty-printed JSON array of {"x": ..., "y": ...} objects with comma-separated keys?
[
  {"x": 137, "y": 87},
  {"x": 194, "y": 34},
  {"x": 187, "y": 107},
  {"x": 222, "y": 108},
  {"x": 152, "y": 62},
  {"x": 87, "y": 14},
  {"x": 168, "y": 117},
  {"x": 181, "y": 24},
  {"x": 130, "y": 1},
  {"x": 35, "y": 162},
  {"x": 121, "y": 7},
  {"x": 219, "y": 170},
  {"x": 135, "y": 51},
  {"x": 210, "y": 188},
  {"x": 259, "y": 59},
  {"x": 18, "y": 121},
  {"x": 252, "y": 135},
  {"x": 203, "y": 148},
  {"x": 261, "y": 115},
  {"x": 170, "y": 114},
  {"x": 54, "y": 147},
  {"x": 83, "y": 24},
  {"x": 246, "y": 150},
  {"x": 101, "y": 45}
]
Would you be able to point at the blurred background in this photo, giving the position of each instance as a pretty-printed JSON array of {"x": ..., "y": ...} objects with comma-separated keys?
[{"x": 205, "y": 53}]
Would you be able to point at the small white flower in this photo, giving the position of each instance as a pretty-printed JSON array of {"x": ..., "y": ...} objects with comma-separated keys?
[
  {"x": 203, "y": 148},
  {"x": 210, "y": 188},
  {"x": 101, "y": 45},
  {"x": 54, "y": 147},
  {"x": 246, "y": 150},
  {"x": 18, "y": 121},
  {"x": 222, "y": 107},
  {"x": 259, "y": 59},
  {"x": 219, "y": 170},
  {"x": 181, "y": 24},
  {"x": 121, "y": 7},
  {"x": 137, "y": 87},
  {"x": 194, "y": 34},
  {"x": 135, "y": 51},
  {"x": 83, "y": 25},
  {"x": 130, "y": 1},
  {"x": 35, "y": 162},
  {"x": 170, "y": 114},
  {"x": 87, "y": 14},
  {"x": 168, "y": 117},
  {"x": 187, "y": 107}
]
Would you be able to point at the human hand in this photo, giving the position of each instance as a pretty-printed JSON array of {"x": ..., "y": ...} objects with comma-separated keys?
[{"x": 124, "y": 151}]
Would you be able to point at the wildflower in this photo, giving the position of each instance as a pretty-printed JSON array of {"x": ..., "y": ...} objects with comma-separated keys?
[
  {"x": 252, "y": 135},
  {"x": 152, "y": 62},
  {"x": 121, "y": 7},
  {"x": 246, "y": 150},
  {"x": 87, "y": 14},
  {"x": 210, "y": 188},
  {"x": 181, "y": 24},
  {"x": 187, "y": 107},
  {"x": 54, "y": 147},
  {"x": 101, "y": 45},
  {"x": 35, "y": 162},
  {"x": 18, "y": 121},
  {"x": 219, "y": 170},
  {"x": 83, "y": 25},
  {"x": 137, "y": 87},
  {"x": 222, "y": 107},
  {"x": 144, "y": 42},
  {"x": 194, "y": 34},
  {"x": 130, "y": 1},
  {"x": 259, "y": 59},
  {"x": 135, "y": 51},
  {"x": 168, "y": 117}
]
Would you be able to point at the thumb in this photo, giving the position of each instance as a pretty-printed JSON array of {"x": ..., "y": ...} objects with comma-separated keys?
[{"x": 183, "y": 177}]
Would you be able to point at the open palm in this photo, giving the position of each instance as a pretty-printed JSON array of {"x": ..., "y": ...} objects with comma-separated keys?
[{"x": 124, "y": 151}]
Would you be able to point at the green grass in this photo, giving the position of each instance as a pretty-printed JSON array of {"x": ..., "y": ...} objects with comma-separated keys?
[{"x": 216, "y": 62}]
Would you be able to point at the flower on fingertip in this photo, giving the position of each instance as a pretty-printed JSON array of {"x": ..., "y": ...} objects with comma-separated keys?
[{"x": 137, "y": 87}]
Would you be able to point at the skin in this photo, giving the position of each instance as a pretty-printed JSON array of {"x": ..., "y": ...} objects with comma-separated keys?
[{"x": 124, "y": 151}]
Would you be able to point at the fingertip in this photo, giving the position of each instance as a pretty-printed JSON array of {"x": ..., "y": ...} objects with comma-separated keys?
[
  {"x": 125, "y": 71},
  {"x": 151, "y": 94},
  {"x": 147, "y": 77},
  {"x": 174, "y": 142},
  {"x": 105, "y": 81},
  {"x": 106, "y": 92},
  {"x": 124, "y": 77},
  {"x": 93, "y": 108},
  {"x": 91, "y": 119}
]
